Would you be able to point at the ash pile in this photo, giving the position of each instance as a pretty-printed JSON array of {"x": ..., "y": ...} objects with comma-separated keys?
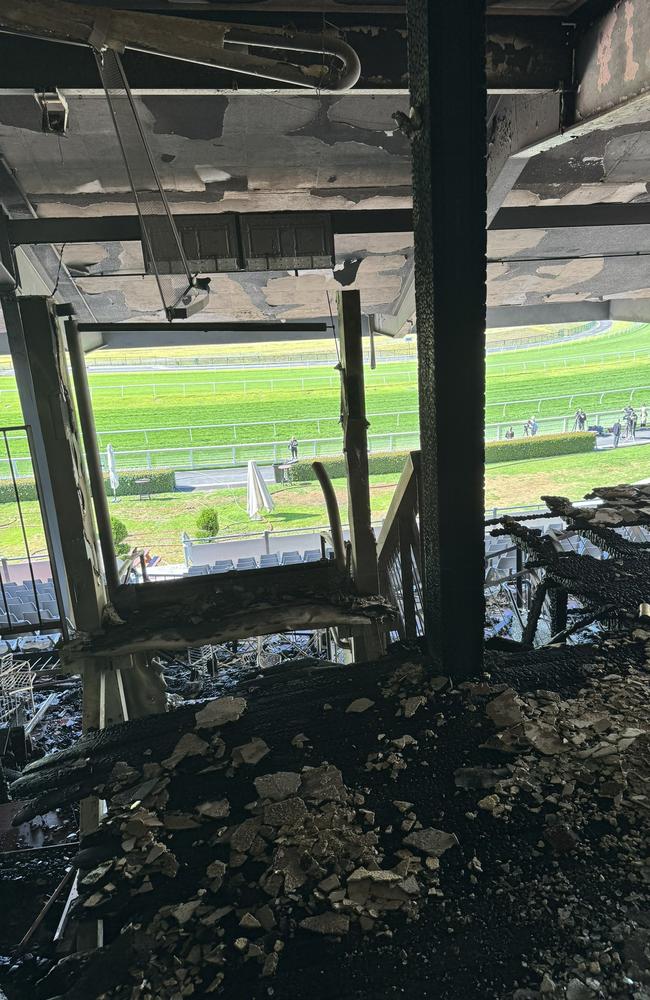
[{"x": 371, "y": 832}]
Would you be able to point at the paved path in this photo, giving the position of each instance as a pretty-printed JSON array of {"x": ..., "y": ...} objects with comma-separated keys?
[
  {"x": 214, "y": 479},
  {"x": 607, "y": 442}
]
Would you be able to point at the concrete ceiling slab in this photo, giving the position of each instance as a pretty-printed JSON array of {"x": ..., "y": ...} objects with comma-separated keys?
[{"x": 268, "y": 152}]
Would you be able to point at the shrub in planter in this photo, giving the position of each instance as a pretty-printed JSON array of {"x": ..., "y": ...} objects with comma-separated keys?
[
  {"x": 120, "y": 532},
  {"x": 207, "y": 522}
]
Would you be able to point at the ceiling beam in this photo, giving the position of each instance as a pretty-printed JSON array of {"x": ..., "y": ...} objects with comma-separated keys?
[
  {"x": 523, "y": 55},
  {"x": 122, "y": 228},
  {"x": 545, "y": 217}
]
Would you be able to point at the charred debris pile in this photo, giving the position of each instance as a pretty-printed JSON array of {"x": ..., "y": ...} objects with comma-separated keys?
[{"x": 327, "y": 832}]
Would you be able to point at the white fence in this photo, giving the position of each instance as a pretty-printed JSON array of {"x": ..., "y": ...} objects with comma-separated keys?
[
  {"x": 227, "y": 456},
  {"x": 107, "y": 437},
  {"x": 594, "y": 359},
  {"x": 537, "y": 402},
  {"x": 264, "y": 452}
]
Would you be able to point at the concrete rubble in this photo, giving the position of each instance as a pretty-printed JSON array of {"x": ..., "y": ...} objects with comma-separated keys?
[{"x": 236, "y": 846}]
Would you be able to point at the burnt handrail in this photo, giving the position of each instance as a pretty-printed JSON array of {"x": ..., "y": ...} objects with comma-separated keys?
[{"x": 399, "y": 551}]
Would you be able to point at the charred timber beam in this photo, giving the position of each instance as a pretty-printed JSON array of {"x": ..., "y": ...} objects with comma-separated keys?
[
  {"x": 175, "y": 599},
  {"x": 193, "y": 611},
  {"x": 446, "y": 43},
  {"x": 572, "y": 216},
  {"x": 114, "y": 228},
  {"x": 558, "y": 602},
  {"x": 312, "y": 613},
  {"x": 581, "y": 623},
  {"x": 523, "y": 55},
  {"x": 534, "y": 614},
  {"x": 367, "y": 643}
]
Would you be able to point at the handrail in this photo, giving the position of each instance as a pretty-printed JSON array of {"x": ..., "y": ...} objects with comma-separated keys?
[
  {"x": 399, "y": 557},
  {"x": 402, "y": 493}
]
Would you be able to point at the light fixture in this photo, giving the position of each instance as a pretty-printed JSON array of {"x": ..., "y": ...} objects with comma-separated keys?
[{"x": 54, "y": 111}]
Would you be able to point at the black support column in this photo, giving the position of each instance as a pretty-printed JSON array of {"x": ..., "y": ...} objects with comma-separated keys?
[{"x": 448, "y": 125}]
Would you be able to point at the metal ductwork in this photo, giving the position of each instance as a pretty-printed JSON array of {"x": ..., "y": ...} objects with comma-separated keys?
[{"x": 210, "y": 43}]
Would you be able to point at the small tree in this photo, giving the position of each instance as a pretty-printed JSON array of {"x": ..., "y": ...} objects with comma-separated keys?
[
  {"x": 120, "y": 533},
  {"x": 208, "y": 522}
]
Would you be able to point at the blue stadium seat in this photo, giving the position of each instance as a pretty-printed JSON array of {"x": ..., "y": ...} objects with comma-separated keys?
[
  {"x": 269, "y": 560},
  {"x": 198, "y": 570},
  {"x": 246, "y": 563},
  {"x": 312, "y": 555},
  {"x": 290, "y": 558},
  {"x": 223, "y": 566}
]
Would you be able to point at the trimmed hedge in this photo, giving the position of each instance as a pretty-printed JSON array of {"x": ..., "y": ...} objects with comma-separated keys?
[
  {"x": 540, "y": 446},
  {"x": 380, "y": 463},
  {"x": 160, "y": 481},
  {"x": 517, "y": 450}
]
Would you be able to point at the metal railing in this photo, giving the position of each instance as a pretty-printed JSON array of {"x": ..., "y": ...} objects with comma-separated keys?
[
  {"x": 537, "y": 401},
  {"x": 234, "y": 428},
  {"x": 549, "y": 425},
  {"x": 24, "y": 605},
  {"x": 197, "y": 457},
  {"x": 572, "y": 362},
  {"x": 264, "y": 452},
  {"x": 157, "y": 390}
]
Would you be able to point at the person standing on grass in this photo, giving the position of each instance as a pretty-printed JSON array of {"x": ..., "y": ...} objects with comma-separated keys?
[
  {"x": 643, "y": 416},
  {"x": 533, "y": 426},
  {"x": 582, "y": 420},
  {"x": 527, "y": 428},
  {"x": 616, "y": 431},
  {"x": 293, "y": 448},
  {"x": 510, "y": 434},
  {"x": 633, "y": 422}
]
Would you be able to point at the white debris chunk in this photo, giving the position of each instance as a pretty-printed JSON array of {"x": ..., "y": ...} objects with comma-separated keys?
[
  {"x": 277, "y": 786},
  {"x": 430, "y": 841},
  {"x": 360, "y": 705},
  {"x": 220, "y": 712}
]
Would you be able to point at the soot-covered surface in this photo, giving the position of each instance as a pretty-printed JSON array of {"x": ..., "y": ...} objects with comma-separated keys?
[{"x": 403, "y": 837}]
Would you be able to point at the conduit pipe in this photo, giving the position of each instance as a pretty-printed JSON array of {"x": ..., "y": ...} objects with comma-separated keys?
[{"x": 190, "y": 40}]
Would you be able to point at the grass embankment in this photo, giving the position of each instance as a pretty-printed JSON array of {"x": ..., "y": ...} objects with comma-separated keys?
[{"x": 157, "y": 524}]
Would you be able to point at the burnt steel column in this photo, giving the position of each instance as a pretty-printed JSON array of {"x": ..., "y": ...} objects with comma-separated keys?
[{"x": 448, "y": 128}]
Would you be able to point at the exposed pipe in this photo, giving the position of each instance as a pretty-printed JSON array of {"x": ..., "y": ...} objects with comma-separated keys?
[
  {"x": 333, "y": 513},
  {"x": 95, "y": 473},
  {"x": 190, "y": 40}
]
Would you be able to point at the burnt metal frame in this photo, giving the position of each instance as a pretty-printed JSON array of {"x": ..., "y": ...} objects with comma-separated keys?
[
  {"x": 448, "y": 95},
  {"x": 127, "y": 227},
  {"x": 529, "y": 54}
]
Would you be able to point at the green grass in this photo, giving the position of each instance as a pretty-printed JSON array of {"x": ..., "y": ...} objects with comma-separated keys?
[
  {"x": 572, "y": 367},
  {"x": 158, "y": 524},
  {"x": 512, "y": 484},
  {"x": 256, "y": 405}
]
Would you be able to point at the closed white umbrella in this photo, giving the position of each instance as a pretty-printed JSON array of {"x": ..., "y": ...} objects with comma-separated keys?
[
  {"x": 111, "y": 465},
  {"x": 258, "y": 497}
]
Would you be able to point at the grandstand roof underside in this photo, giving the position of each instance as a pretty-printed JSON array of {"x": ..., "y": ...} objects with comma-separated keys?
[{"x": 246, "y": 151}]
